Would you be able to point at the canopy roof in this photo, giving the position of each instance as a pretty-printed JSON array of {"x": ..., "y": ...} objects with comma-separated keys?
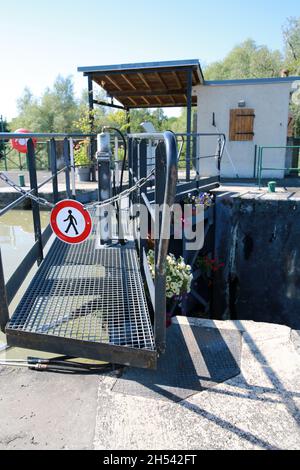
[{"x": 148, "y": 85}]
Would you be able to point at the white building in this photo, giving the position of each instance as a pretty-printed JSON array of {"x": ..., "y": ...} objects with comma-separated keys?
[{"x": 250, "y": 113}]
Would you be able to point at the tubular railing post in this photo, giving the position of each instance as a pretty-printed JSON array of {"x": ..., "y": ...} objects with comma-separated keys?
[
  {"x": 160, "y": 281},
  {"x": 53, "y": 165},
  {"x": 259, "y": 166},
  {"x": 255, "y": 162},
  {"x": 72, "y": 162},
  {"x": 189, "y": 124},
  {"x": 130, "y": 179},
  {"x": 4, "y": 313},
  {"x": 35, "y": 205},
  {"x": 143, "y": 174},
  {"x": 219, "y": 158},
  {"x": 134, "y": 198},
  {"x": 67, "y": 164}
]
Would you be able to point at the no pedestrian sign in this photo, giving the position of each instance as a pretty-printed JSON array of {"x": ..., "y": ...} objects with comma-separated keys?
[{"x": 71, "y": 222}]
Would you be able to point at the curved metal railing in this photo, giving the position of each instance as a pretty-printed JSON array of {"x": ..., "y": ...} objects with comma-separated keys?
[{"x": 165, "y": 193}]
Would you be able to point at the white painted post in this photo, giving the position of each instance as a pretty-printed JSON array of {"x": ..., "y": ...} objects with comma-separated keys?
[
  {"x": 117, "y": 163},
  {"x": 72, "y": 161}
]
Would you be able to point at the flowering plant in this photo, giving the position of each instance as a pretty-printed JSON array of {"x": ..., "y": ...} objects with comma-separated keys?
[
  {"x": 178, "y": 275},
  {"x": 208, "y": 265},
  {"x": 81, "y": 154},
  {"x": 204, "y": 199}
]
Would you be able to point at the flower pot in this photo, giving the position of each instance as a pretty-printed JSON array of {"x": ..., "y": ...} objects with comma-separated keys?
[{"x": 83, "y": 174}]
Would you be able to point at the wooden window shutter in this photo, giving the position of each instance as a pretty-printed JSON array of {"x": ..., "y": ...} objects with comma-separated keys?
[{"x": 241, "y": 124}]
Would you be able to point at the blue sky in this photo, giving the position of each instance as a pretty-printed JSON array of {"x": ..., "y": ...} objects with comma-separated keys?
[{"x": 41, "y": 39}]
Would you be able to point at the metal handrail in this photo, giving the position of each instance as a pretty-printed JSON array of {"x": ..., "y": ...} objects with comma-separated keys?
[
  {"x": 261, "y": 168},
  {"x": 41, "y": 135},
  {"x": 167, "y": 191},
  {"x": 170, "y": 185}
]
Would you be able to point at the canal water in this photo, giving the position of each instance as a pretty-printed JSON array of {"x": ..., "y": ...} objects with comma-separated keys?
[{"x": 16, "y": 239}]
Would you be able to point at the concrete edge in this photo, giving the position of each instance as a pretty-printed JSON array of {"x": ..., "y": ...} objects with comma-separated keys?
[{"x": 269, "y": 331}]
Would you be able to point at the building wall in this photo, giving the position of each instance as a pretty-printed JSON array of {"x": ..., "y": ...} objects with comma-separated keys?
[{"x": 271, "y": 106}]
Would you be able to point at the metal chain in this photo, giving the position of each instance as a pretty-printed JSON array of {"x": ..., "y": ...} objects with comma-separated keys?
[
  {"x": 39, "y": 200},
  {"x": 139, "y": 184},
  {"x": 27, "y": 194}
]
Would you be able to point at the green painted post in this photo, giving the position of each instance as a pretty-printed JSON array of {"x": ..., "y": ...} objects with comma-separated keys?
[{"x": 258, "y": 168}]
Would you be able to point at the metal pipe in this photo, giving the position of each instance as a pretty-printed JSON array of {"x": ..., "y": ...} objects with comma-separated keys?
[
  {"x": 110, "y": 105},
  {"x": 168, "y": 160},
  {"x": 170, "y": 193}
]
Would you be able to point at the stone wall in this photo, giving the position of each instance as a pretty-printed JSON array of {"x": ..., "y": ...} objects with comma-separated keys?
[{"x": 258, "y": 238}]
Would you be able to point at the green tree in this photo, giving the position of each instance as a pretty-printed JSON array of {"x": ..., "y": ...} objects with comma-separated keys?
[
  {"x": 247, "y": 60},
  {"x": 291, "y": 34},
  {"x": 55, "y": 111},
  {"x": 3, "y": 128}
]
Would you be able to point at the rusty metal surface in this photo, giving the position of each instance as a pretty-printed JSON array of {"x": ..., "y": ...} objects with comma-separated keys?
[{"x": 196, "y": 359}]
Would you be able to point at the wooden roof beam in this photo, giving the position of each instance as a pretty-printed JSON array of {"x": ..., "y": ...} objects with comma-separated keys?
[
  {"x": 161, "y": 80},
  {"x": 132, "y": 101},
  {"x": 165, "y": 86},
  {"x": 143, "y": 79},
  {"x": 146, "y": 101},
  {"x": 137, "y": 93},
  {"x": 113, "y": 82},
  {"x": 128, "y": 81},
  {"x": 178, "y": 82}
]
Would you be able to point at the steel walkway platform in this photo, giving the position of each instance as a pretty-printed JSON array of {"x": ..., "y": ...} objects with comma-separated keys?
[{"x": 87, "y": 301}]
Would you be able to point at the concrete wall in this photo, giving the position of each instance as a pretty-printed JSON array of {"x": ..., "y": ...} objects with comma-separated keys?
[
  {"x": 271, "y": 104},
  {"x": 258, "y": 240}
]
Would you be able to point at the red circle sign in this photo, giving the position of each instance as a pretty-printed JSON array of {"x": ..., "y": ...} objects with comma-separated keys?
[
  {"x": 71, "y": 222},
  {"x": 20, "y": 144}
]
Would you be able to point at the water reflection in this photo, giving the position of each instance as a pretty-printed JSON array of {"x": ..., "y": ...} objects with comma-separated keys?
[{"x": 16, "y": 238}]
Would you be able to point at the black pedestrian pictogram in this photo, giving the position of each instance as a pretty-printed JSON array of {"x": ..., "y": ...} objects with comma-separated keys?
[{"x": 73, "y": 222}]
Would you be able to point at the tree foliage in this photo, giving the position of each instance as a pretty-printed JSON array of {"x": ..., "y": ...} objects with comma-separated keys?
[
  {"x": 3, "y": 128},
  {"x": 55, "y": 111},
  {"x": 58, "y": 110},
  {"x": 291, "y": 33},
  {"x": 247, "y": 60}
]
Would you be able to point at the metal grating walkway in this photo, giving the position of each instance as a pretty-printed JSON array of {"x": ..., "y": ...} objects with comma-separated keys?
[{"x": 89, "y": 302}]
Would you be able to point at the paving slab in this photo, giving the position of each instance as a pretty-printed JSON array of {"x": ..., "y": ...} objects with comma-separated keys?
[
  {"x": 40, "y": 410},
  {"x": 257, "y": 409}
]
